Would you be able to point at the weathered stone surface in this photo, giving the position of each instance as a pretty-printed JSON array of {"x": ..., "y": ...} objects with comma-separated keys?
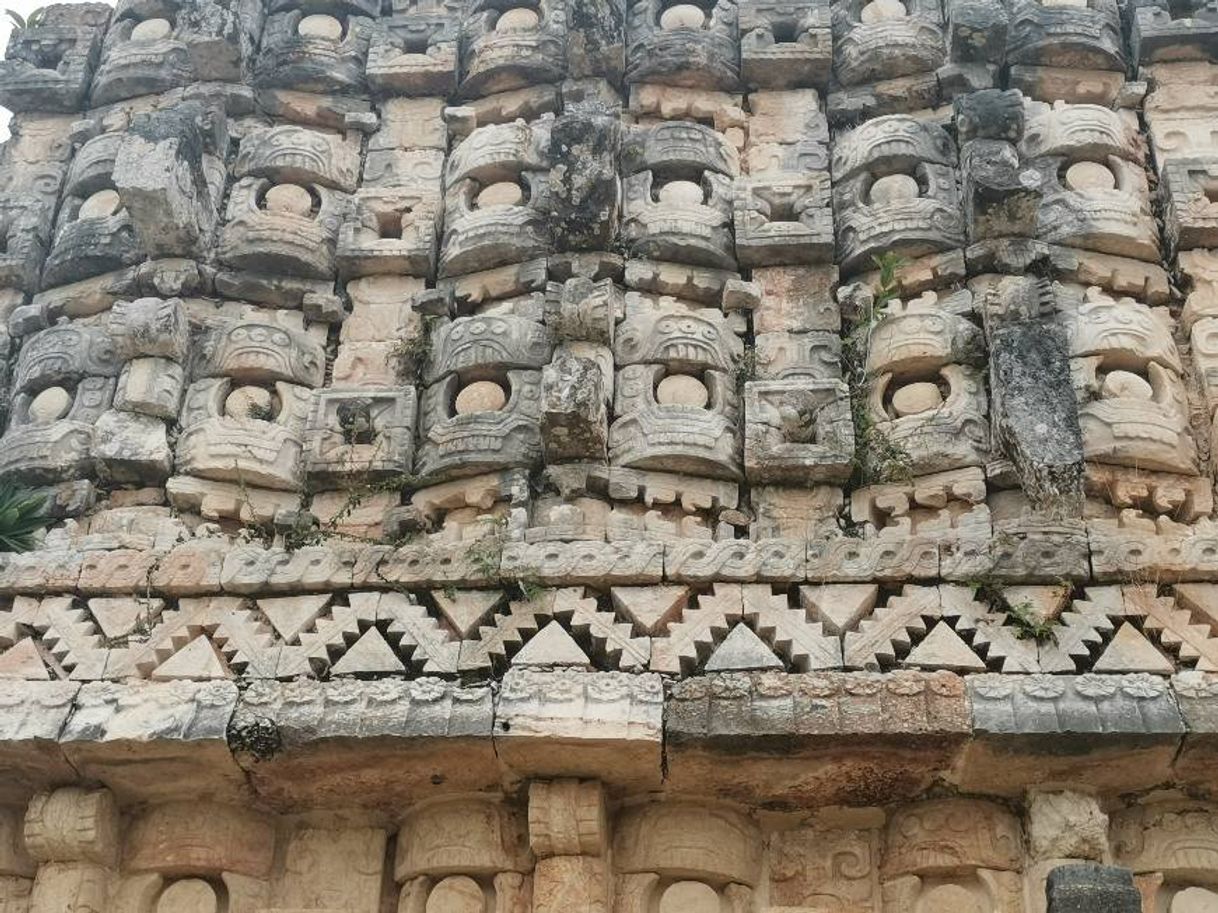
[
  {"x": 1088, "y": 888},
  {"x": 1099, "y": 726}
]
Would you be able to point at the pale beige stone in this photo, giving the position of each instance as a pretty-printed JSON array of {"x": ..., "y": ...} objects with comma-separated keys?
[
  {"x": 916, "y": 398},
  {"x": 480, "y": 396},
  {"x": 1127, "y": 385},
  {"x": 291, "y": 199},
  {"x": 50, "y": 405},
  {"x": 152, "y": 30},
  {"x": 894, "y": 188},
  {"x": 567, "y": 818},
  {"x": 190, "y": 895},
  {"x": 517, "y": 20},
  {"x": 883, "y": 10},
  {"x": 1195, "y": 900},
  {"x": 503, "y": 193},
  {"x": 1067, "y": 825},
  {"x": 682, "y": 390},
  {"x": 456, "y": 894},
  {"x": 689, "y": 897},
  {"x": 681, "y": 193},
  {"x": 1090, "y": 176},
  {"x": 321, "y": 27},
  {"x": 101, "y": 205},
  {"x": 682, "y": 16}
]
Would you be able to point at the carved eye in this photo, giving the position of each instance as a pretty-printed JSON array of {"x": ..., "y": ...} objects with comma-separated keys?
[
  {"x": 682, "y": 16},
  {"x": 152, "y": 30},
  {"x": 321, "y": 27},
  {"x": 480, "y": 396},
  {"x": 288, "y": 199},
  {"x": 100, "y": 205},
  {"x": 517, "y": 21},
  {"x": 1084, "y": 176}
]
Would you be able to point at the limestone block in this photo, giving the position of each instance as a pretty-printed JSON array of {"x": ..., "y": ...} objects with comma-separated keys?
[
  {"x": 70, "y": 886},
  {"x": 569, "y": 723},
  {"x": 150, "y": 386},
  {"x": 574, "y": 418},
  {"x": 1104, "y": 729},
  {"x": 705, "y": 841},
  {"x": 784, "y": 45},
  {"x": 637, "y": 562},
  {"x": 179, "y": 728},
  {"x": 32, "y": 715},
  {"x": 736, "y": 560},
  {"x": 28, "y": 83},
  {"x": 567, "y": 818},
  {"x": 1194, "y": 693},
  {"x": 131, "y": 448},
  {"x": 198, "y": 837},
  {"x": 814, "y": 738},
  {"x": 563, "y": 883},
  {"x": 71, "y": 824},
  {"x": 800, "y": 876},
  {"x": 472, "y": 835},
  {"x": 944, "y": 835},
  {"x": 333, "y": 869},
  {"x": 795, "y": 299},
  {"x": 1144, "y": 838},
  {"x": 313, "y": 742},
  {"x": 1066, "y": 825}
]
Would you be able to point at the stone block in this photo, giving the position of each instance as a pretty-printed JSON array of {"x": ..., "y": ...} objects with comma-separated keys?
[
  {"x": 819, "y": 738},
  {"x": 32, "y": 716},
  {"x": 569, "y": 723},
  {"x": 367, "y": 743},
  {"x": 1118, "y": 732},
  {"x": 156, "y": 741},
  {"x": 1091, "y": 889}
]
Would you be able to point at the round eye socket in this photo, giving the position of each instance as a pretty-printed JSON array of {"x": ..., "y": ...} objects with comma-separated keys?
[
  {"x": 1090, "y": 176},
  {"x": 480, "y": 396},
  {"x": 682, "y": 390},
  {"x": 893, "y": 188},
  {"x": 250, "y": 402},
  {"x": 151, "y": 30},
  {"x": 1126, "y": 385},
  {"x": 50, "y": 405},
  {"x": 515, "y": 21},
  {"x": 915, "y": 398},
  {"x": 290, "y": 199},
  {"x": 503, "y": 193},
  {"x": 320, "y": 26},
  {"x": 681, "y": 193},
  {"x": 682, "y": 16},
  {"x": 883, "y": 10},
  {"x": 456, "y": 894},
  {"x": 100, "y": 205}
]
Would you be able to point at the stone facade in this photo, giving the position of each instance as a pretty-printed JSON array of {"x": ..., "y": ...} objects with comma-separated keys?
[{"x": 615, "y": 456}]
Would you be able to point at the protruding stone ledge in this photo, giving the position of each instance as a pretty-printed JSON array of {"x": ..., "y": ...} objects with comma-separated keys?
[
  {"x": 819, "y": 738},
  {"x": 351, "y": 742},
  {"x": 1111, "y": 732},
  {"x": 760, "y": 738},
  {"x": 569, "y": 723},
  {"x": 155, "y": 741},
  {"x": 32, "y": 716}
]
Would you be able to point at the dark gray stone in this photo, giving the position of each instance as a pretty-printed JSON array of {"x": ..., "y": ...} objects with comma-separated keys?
[
  {"x": 1092, "y": 889},
  {"x": 1033, "y": 405}
]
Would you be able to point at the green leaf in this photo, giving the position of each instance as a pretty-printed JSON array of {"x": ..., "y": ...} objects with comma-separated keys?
[{"x": 22, "y": 515}]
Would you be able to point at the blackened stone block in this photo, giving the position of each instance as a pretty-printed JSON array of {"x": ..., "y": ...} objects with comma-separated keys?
[
  {"x": 1092, "y": 889},
  {"x": 584, "y": 197}
]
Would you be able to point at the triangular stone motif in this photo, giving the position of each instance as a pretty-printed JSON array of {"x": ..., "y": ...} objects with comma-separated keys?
[
  {"x": 466, "y": 609},
  {"x": 371, "y": 654},
  {"x": 741, "y": 650},
  {"x": 942, "y": 648},
  {"x": 1130, "y": 651},
  {"x": 551, "y": 646},
  {"x": 839, "y": 606},
  {"x": 22, "y": 660},
  {"x": 120, "y": 617},
  {"x": 290, "y": 615},
  {"x": 198, "y": 659},
  {"x": 650, "y": 607}
]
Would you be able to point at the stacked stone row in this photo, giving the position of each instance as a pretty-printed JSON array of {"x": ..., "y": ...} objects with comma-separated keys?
[{"x": 585, "y": 294}]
